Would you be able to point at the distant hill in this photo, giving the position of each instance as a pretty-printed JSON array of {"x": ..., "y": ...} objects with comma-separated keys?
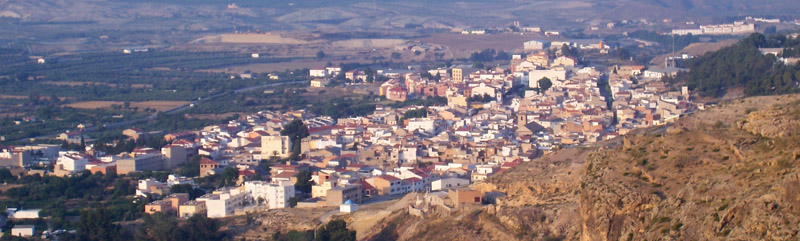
[{"x": 382, "y": 13}]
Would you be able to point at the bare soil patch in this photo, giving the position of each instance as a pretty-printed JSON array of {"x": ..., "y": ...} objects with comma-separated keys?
[
  {"x": 696, "y": 49},
  {"x": 460, "y": 42},
  {"x": 158, "y": 105},
  {"x": 256, "y": 38}
]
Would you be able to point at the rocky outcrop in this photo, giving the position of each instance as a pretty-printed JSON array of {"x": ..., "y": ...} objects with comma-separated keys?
[{"x": 701, "y": 179}]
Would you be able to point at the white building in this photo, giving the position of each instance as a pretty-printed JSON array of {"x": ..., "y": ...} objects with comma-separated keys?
[
  {"x": 23, "y": 230},
  {"x": 26, "y": 214},
  {"x": 534, "y": 45},
  {"x": 554, "y": 75},
  {"x": 147, "y": 186},
  {"x": 72, "y": 161},
  {"x": 173, "y": 179},
  {"x": 482, "y": 90},
  {"x": 564, "y": 61},
  {"x": 276, "y": 195},
  {"x": 279, "y": 146},
  {"x": 333, "y": 70},
  {"x": 447, "y": 183},
  {"x": 348, "y": 207},
  {"x": 696, "y": 31},
  {"x": 658, "y": 73},
  {"x": 422, "y": 124},
  {"x": 319, "y": 83},
  {"x": 317, "y": 73},
  {"x": 735, "y": 28},
  {"x": 224, "y": 202}
]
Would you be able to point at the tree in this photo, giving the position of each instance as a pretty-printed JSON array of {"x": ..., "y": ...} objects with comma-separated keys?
[
  {"x": 296, "y": 130},
  {"x": 485, "y": 98},
  {"x": 159, "y": 227},
  {"x": 320, "y": 54},
  {"x": 545, "y": 84},
  {"x": 335, "y": 230},
  {"x": 6, "y": 176},
  {"x": 304, "y": 181},
  {"x": 191, "y": 168},
  {"x": 187, "y": 188},
  {"x": 123, "y": 188},
  {"x": 98, "y": 225},
  {"x": 201, "y": 228},
  {"x": 743, "y": 65},
  {"x": 293, "y": 235},
  {"x": 293, "y": 201},
  {"x": 229, "y": 176}
]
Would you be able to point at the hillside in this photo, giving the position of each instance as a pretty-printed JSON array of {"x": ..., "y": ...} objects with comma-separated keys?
[
  {"x": 694, "y": 49},
  {"x": 726, "y": 173},
  {"x": 78, "y": 23},
  {"x": 743, "y": 65}
]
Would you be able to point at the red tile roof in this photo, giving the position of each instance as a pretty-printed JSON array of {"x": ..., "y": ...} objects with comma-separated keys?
[
  {"x": 206, "y": 161},
  {"x": 246, "y": 173},
  {"x": 389, "y": 178},
  {"x": 365, "y": 185},
  {"x": 286, "y": 174},
  {"x": 412, "y": 179}
]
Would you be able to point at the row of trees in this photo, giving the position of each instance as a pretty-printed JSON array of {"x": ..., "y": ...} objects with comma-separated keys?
[
  {"x": 99, "y": 225},
  {"x": 481, "y": 98},
  {"x": 488, "y": 55},
  {"x": 334, "y": 230}
]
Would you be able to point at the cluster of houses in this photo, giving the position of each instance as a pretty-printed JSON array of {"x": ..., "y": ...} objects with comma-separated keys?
[
  {"x": 494, "y": 119},
  {"x": 322, "y": 76}
]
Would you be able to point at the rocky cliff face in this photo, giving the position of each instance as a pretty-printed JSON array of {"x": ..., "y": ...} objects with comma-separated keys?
[
  {"x": 728, "y": 173},
  {"x": 542, "y": 196}
]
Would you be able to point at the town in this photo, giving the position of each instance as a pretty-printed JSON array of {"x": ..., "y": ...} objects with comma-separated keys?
[{"x": 494, "y": 119}]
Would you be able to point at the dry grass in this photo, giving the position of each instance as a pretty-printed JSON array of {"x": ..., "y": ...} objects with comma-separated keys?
[
  {"x": 459, "y": 42},
  {"x": 696, "y": 49},
  {"x": 252, "y": 38}
]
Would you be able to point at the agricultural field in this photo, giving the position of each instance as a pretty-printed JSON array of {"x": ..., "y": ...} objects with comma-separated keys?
[
  {"x": 111, "y": 87},
  {"x": 144, "y": 105},
  {"x": 457, "y": 42}
]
